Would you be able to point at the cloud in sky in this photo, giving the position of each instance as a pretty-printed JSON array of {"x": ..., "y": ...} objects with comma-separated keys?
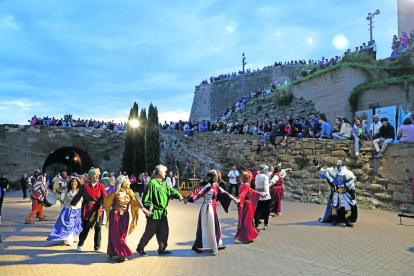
[
  {"x": 94, "y": 59},
  {"x": 230, "y": 29}
]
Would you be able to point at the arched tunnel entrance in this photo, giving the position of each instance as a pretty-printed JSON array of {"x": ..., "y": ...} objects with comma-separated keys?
[{"x": 67, "y": 159}]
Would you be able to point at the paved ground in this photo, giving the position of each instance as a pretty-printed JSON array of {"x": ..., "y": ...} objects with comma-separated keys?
[{"x": 294, "y": 244}]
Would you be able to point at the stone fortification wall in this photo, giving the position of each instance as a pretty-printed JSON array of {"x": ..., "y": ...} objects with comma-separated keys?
[
  {"x": 213, "y": 99},
  {"x": 25, "y": 148},
  {"x": 405, "y": 16},
  {"x": 329, "y": 93},
  {"x": 381, "y": 183},
  {"x": 392, "y": 95}
]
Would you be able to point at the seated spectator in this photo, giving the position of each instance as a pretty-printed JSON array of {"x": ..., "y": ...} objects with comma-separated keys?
[
  {"x": 404, "y": 41},
  {"x": 306, "y": 128},
  {"x": 395, "y": 47},
  {"x": 280, "y": 131},
  {"x": 374, "y": 128},
  {"x": 386, "y": 135},
  {"x": 297, "y": 130},
  {"x": 345, "y": 132},
  {"x": 406, "y": 132},
  {"x": 267, "y": 130},
  {"x": 314, "y": 125},
  {"x": 326, "y": 129},
  {"x": 288, "y": 131},
  {"x": 359, "y": 133},
  {"x": 337, "y": 126}
]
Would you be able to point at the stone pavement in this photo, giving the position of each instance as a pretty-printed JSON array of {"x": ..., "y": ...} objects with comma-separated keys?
[{"x": 294, "y": 244}]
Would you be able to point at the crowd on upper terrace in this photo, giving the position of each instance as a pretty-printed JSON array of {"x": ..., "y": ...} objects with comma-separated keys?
[
  {"x": 68, "y": 121},
  {"x": 402, "y": 44},
  {"x": 377, "y": 131}
]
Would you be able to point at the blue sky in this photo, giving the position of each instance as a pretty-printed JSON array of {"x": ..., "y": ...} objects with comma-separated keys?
[{"x": 93, "y": 59}]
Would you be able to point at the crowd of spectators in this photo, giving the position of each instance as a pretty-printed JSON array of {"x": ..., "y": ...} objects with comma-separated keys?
[
  {"x": 323, "y": 63},
  {"x": 278, "y": 129},
  {"x": 402, "y": 44},
  {"x": 68, "y": 121}
]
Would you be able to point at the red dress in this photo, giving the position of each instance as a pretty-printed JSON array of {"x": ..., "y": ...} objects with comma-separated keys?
[
  {"x": 276, "y": 193},
  {"x": 248, "y": 203}
]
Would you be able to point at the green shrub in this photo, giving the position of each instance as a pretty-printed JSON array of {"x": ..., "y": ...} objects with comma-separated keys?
[
  {"x": 285, "y": 99},
  {"x": 303, "y": 162}
]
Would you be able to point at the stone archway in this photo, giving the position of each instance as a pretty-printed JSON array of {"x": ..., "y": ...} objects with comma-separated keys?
[{"x": 70, "y": 159}]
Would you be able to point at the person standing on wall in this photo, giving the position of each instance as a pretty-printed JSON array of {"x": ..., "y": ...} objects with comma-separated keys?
[{"x": 233, "y": 174}]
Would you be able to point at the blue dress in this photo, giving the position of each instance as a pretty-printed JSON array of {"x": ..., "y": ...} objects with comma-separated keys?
[{"x": 68, "y": 222}]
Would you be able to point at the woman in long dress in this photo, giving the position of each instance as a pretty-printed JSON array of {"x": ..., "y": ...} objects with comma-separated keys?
[
  {"x": 208, "y": 228},
  {"x": 116, "y": 205},
  {"x": 69, "y": 222},
  {"x": 276, "y": 190},
  {"x": 248, "y": 202}
]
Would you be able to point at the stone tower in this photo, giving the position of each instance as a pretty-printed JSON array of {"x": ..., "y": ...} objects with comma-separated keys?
[{"x": 405, "y": 16}]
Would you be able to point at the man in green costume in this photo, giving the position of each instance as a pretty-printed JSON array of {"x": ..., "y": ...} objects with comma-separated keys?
[{"x": 156, "y": 201}]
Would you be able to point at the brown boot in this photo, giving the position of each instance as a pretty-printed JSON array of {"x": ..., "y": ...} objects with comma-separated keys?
[
  {"x": 28, "y": 221},
  {"x": 42, "y": 219}
]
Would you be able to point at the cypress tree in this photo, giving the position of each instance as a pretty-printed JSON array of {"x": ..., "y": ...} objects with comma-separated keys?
[
  {"x": 152, "y": 144},
  {"x": 128, "y": 157},
  {"x": 139, "y": 154}
]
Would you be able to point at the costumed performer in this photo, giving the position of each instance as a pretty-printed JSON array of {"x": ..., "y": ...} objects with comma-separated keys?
[
  {"x": 116, "y": 205},
  {"x": 341, "y": 204},
  {"x": 93, "y": 194},
  {"x": 248, "y": 198},
  {"x": 208, "y": 227},
  {"x": 156, "y": 199},
  {"x": 276, "y": 190},
  {"x": 262, "y": 185},
  {"x": 69, "y": 223},
  {"x": 39, "y": 192}
]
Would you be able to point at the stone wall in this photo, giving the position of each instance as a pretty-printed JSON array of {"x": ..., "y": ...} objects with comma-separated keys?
[
  {"x": 25, "y": 148},
  {"x": 381, "y": 183},
  {"x": 213, "y": 99},
  {"x": 327, "y": 93},
  {"x": 405, "y": 16},
  {"x": 392, "y": 95}
]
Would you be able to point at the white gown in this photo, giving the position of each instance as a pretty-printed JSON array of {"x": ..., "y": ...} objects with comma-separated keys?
[{"x": 208, "y": 223}]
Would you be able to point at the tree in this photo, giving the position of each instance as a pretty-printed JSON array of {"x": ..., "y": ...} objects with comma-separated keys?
[
  {"x": 128, "y": 157},
  {"x": 139, "y": 153},
  {"x": 152, "y": 137}
]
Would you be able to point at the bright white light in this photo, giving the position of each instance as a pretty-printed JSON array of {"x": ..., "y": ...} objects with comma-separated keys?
[
  {"x": 134, "y": 123},
  {"x": 310, "y": 40},
  {"x": 340, "y": 42}
]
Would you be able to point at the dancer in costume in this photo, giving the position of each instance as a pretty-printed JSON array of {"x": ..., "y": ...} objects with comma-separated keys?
[
  {"x": 39, "y": 192},
  {"x": 276, "y": 190},
  {"x": 156, "y": 199},
  {"x": 262, "y": 185},
  {"x": 116, "y": 205},
  {"x": 93, "y": 194},
  {"x": 69, "y": 223},
  {"x": 208, "y": 228},
  {"x": 248, "y": 202},
  {"x": 342, "y": 196}
]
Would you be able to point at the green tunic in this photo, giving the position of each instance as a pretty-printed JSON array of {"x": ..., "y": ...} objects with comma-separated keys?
[{"x": 157, "y": 197}]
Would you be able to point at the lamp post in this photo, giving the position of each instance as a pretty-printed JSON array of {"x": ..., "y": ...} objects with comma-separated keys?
[
  {"x": 369, "y": 17},
  {"x": 243, "y": 63}
]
